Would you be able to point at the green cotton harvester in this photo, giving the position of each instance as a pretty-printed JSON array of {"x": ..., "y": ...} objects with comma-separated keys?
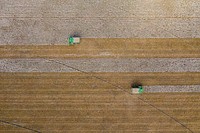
[
  {"x": 73, "y": 40},
  {"x": 137, "y": 89}
]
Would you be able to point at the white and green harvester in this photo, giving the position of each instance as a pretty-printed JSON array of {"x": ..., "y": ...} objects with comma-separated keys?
[
  {"x": 137, "y": 89},
  {"x": 73, "y": 40}
]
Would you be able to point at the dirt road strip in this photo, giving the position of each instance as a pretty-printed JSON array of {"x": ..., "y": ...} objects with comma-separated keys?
[{"x": 108, "y": 48}]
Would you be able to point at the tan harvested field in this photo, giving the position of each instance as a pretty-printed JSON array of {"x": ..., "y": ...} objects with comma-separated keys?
[
  {"x": 99, "y": 101},
  {"x": 108, "y": 48},
  {"x": 77, "y": 102},
  {"x": 121, "y": 78}
]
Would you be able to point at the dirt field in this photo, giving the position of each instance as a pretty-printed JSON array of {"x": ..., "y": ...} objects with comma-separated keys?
[{"x": 75, "y": 102}]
